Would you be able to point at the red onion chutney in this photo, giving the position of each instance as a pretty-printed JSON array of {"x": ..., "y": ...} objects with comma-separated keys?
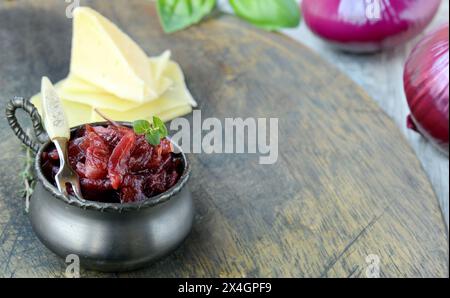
[{"x": 115, "y": 165}]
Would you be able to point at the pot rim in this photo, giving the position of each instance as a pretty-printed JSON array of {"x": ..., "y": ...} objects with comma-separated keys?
[{"x": 112, "y": 207}]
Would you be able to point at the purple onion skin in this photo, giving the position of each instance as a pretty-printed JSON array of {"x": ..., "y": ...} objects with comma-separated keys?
[
  {"x": 426, "y": 79},
  {"x": 348, "y": 25}
]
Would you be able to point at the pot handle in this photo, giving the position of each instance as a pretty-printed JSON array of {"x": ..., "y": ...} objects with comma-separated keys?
[{"x": 30, "y": 109}]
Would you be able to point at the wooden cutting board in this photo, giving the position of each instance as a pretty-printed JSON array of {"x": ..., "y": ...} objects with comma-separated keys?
[{"x": 346, "y": 184}]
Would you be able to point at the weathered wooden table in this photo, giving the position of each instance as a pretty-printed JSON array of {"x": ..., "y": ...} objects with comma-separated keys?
[
  {"x": 381, "y": 76},
  {"x": 346, "y": 185}
]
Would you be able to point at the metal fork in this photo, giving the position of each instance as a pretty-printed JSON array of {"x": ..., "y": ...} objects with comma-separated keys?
[
  {"x": 58, "y": 131},
  {"x": 66, "y": 175}
]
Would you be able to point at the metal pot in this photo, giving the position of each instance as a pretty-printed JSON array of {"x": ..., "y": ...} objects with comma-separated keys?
[{"x": 105, "y": 236}]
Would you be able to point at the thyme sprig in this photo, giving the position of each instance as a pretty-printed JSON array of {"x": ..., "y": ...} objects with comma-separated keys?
[{"x": 27, "y": 176}]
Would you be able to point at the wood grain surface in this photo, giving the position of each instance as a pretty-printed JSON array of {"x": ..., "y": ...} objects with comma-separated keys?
[
  {"x": 346, "y": 184},
  {"x": 381, "y": 76}
]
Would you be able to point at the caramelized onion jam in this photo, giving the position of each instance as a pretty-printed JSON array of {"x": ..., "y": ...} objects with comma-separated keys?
[{"x": 115, "y": 165}]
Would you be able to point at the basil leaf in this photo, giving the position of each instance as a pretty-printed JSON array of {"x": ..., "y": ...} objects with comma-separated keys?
[
  {"x": 153, "y": 138},
  {"x": 163, "y": 131},
  {"x": 141, "y": 126},
  {"x": 268, "y": 14},
  {"x": 179, "y": 14},
  {"x": 159, "y": 124}
]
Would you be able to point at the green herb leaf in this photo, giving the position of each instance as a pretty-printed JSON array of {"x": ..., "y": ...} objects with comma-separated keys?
[
  {"x": 159, "y": 124},
  {"x": 141, "y": 126},
  {"x": 153, "y": 132},
  {"x": 179, "y": 14},
  {"x": 268, "y": 14},
  {"x": 154, "y": 138}
]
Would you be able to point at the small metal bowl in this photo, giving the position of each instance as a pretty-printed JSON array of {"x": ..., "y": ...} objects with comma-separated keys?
[{"x": 108, "y": 237}]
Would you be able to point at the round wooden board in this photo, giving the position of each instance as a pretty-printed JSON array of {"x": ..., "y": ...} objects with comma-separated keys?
[{"x": 346, "y": 184}]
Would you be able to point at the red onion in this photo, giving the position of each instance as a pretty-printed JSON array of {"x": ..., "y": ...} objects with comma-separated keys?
[
  {"x": 368, "y": 25},
  {"x": 426, "y": 86}
]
